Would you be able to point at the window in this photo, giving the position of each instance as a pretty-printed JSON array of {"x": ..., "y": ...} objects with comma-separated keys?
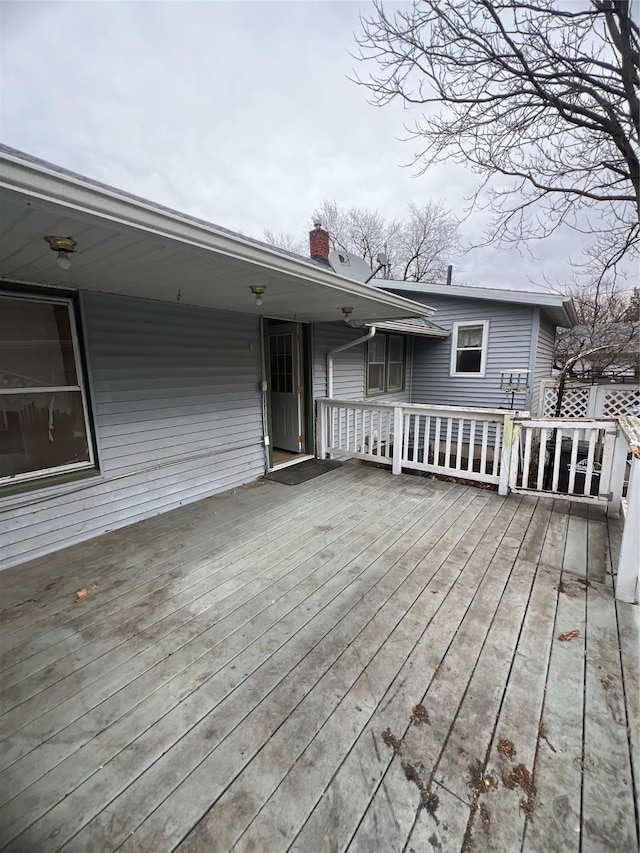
[
  {"x": 469, "y": 348},
  {"x": 42, "y": 399},
  {"x": 385, "y": 364}
]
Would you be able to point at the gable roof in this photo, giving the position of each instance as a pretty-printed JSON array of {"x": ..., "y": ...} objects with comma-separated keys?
[
  {"x": 559, "y": 309},
  {"x": 133, "y": 247}
]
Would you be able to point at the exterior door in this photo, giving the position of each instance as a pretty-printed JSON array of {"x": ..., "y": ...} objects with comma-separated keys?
[{"x": 285, "y": 389}]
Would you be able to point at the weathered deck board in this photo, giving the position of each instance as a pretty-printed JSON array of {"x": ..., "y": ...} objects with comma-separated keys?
[
  {"x": 609, "y": 820},
  {"x": 555, "y": 827},
  {"x": 228, "y": 681}
]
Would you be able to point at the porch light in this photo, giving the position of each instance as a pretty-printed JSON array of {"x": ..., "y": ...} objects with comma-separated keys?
[
  {"x": 258, "y": 291},
  {"x": 64, "y": 246},
  {"x": 347, "y": 310}
]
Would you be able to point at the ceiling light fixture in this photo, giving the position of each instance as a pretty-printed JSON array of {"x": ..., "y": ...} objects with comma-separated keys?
[
  {"x": 258, "y": 291},
  {"x": 346, "y": 311},
  {"x": 64, "y": 246}
]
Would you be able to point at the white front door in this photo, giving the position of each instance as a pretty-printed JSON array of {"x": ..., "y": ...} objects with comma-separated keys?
[{"x": 284, "y": 370}]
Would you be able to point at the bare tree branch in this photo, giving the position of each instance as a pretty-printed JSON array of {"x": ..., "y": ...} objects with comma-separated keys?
[{"x": 540, "y": 101}]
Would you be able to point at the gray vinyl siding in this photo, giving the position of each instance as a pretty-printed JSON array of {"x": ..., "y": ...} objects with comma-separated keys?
[
  {"x": 543, "y": 366},
  {"x": 349, "y": 365},
  {"x": 509, "y": 346},
  {"x": 178, "y": 417}
]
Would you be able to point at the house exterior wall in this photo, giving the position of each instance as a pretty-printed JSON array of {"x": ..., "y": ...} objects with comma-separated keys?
[
  {"x": 509, "y": 346},
  {"x": 349, "y": 365},
  {"x": 177, "y": 413},
  {"x": 543, "y": 364}
]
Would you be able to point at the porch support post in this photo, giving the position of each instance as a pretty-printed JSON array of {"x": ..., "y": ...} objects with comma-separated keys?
[
  {"x": 321, "y": 429},
  {"x": 628, "y": 577},
  {"x": 618, "y": 470},
  {"x": 397, "y": 440}
]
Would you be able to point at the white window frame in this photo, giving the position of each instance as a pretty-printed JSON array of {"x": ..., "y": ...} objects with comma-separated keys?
[
  {"x": 47, "y": 473},
  {"x": 385, "y": 372},
  {"x": 458, "y": 326}
]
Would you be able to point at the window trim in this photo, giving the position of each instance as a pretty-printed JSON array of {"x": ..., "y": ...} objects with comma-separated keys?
[
  {"x": 460, "y": 325},
  {"x": 78, "y": 355},
  {"x": 386, "y": 390}
]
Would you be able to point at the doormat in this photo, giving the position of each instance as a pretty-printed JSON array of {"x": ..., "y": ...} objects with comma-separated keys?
[{"x": 293, "y": 475}]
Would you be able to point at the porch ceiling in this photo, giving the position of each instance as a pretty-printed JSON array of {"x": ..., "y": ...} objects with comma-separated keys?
[{"x": 133, "y": 248}]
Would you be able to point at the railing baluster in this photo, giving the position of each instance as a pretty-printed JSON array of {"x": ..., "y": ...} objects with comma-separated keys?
[
  {"x": 557, "y": 457},
  {"x": 459, "y": 440},
  {"x": 447, "y": 444},
  {"x": 542, "y": 455},
  {"x": 436, "y": 443},
  {"x": 497, "y": 447},
  {"x": 528, "y": 435},
  {"x": 483, "y": 452},
  {"x": 590, "y": 457},
  {"x": 472, "y": 444},
  {"x": 425, "y": 440},
  {"x": 574, "y": 459},
  {"x": 407, "y": 433}
]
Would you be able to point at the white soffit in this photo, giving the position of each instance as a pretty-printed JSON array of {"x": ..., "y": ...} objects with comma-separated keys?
[{"x": 130, "y": 247}]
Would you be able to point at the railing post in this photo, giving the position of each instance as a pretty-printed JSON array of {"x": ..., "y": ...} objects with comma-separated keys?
[
  {"x": 508, "y": 451},
  {"x": 618, "y": 470},
  {"x": 628, "y": 577},
  {"x": 398, "y": 432},
  {"x": 322, "y": 430},
  {"x": 505, "y": 456}
]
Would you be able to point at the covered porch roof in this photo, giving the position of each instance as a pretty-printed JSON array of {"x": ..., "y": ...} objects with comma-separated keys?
[{"x": 132, "y": 247}]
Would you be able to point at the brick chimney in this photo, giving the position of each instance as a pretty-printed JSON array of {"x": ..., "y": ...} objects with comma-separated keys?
[{"x": 319, "y": 243}]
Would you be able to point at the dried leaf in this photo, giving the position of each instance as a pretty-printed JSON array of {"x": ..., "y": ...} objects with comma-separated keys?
[
  {"x": 569, "y": 635},
  {"x": 81, "y": 595}
]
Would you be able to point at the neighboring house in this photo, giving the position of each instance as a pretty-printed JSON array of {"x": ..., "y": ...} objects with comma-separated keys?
[
  {"x": 161, "y": 359},
  {"x": 493, "y": 332}
]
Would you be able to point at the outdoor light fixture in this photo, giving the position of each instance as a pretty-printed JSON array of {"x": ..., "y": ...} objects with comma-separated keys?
[
  {"x": 258, "y": 291},
  {"x": 346, "y": 311},
  {"x": 64, "y": 246}
]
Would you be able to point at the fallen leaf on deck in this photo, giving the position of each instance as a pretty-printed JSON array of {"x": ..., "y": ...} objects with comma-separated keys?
[
  {"x": 569, "y": 635},
  {"x": 81, "y": 595}
]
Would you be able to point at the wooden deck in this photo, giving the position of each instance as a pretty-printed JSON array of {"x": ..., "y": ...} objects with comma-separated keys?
[{"x": 363, "y": 663}]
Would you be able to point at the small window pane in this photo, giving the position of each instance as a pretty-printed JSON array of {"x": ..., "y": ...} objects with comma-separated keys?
[
  {"x": 470, "y": 336},
  {"x": 395, "y": 376},
  {"x": 42, "y": 430},
  {"x": 376, "y": 350},
  {"x": 375, "y": 378},
  {"x": 396, "y": 348},
  {"x": 468, "y": 361},
  {"x": 36, "y": 345}
]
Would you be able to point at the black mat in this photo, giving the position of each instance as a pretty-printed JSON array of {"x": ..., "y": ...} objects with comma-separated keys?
[{"x": 293, "y": 475}]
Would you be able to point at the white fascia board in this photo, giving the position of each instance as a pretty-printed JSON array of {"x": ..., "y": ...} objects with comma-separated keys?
[
  {"x": 104, "y": 203},
  {"x": 564, "y": 304}
]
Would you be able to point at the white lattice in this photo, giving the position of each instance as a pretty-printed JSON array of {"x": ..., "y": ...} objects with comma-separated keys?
[
  {"x": 575, "y": 402},
  {"x": 621, "y": 402}
]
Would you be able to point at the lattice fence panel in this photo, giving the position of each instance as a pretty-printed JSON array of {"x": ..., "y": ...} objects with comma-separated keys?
[
  {"x": 621, "y": 402},
  {"x": 575, "y": 402}
]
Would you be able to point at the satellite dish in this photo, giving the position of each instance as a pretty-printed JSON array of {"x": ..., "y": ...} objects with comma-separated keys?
[
  {"x": 382, "y": 259},
  {"x": 348, "y": 265}
]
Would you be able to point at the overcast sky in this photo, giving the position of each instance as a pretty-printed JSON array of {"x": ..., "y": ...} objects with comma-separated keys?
[{"x": 239, "y": 113}]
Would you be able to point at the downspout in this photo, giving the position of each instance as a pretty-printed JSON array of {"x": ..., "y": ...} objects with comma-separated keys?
[{"x": 332, "y": 352}]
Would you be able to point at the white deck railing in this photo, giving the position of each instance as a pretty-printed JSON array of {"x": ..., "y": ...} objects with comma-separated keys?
[
  {"x": 455, "y": 441},
  {"x": 577, "y": 459}
]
